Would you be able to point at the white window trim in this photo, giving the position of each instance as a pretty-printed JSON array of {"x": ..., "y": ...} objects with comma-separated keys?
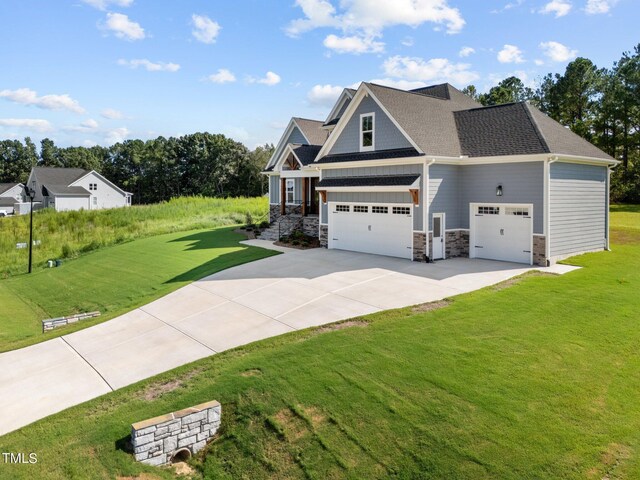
[
  {"x": 373, "y": 132},
  {"x": 292, "y": 182}
]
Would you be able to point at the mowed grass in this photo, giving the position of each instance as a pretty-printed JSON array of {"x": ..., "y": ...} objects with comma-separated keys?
[
  {"x": 71, "y": 234},
  {"x": 114, "y": 280},
  {"x": 538, "y": 379}
]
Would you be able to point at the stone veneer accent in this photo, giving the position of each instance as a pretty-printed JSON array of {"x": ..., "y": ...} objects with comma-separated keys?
[
  {"x": 430, "y": 246},
  {"x": 157, "y": 440},
  {"x": 274, "y": 211},
  {"x": 539, "y": 250},
  {"x": 419, "y": 246},
  {"x": 456, "y": 243},
  {"x": 324, "y": 236},
  {"x": 310, "y": 225}
]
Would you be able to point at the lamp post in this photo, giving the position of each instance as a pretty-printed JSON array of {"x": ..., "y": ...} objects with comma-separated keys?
[{"x": 30, "y": 193}]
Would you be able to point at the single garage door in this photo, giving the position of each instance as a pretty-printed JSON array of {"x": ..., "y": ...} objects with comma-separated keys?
[
  {"x": 383, "y": 229},
  {"x": 502, "y": 232}
]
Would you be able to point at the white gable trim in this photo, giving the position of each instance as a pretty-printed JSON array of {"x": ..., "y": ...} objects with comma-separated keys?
[
  {"x": 362, "y": 92},
  {"x": 281, "y": 145},
  {"x": 285, "y": 154},
  {"x": 344, "y": 96},
  {"x": 103, "y": 179}
]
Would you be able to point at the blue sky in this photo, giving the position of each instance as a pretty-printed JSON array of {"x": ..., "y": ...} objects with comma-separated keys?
[{"x": 86, "y": 72}]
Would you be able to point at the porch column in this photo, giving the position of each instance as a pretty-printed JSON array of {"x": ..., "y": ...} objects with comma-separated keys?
[
  {"x": 305, "y": 185},
  {"x": 283, "y": 195}
]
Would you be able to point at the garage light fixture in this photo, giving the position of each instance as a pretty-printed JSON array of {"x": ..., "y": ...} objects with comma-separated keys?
[{"x": 499, "y": 191}]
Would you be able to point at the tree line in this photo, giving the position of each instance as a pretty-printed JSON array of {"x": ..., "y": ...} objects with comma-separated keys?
[
  {"x": 153, "y": 170},
  {"x": 601, "y": 105}
]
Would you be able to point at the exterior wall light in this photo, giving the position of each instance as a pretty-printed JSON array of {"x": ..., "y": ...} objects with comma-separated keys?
[{"x": 499, "y": 191}]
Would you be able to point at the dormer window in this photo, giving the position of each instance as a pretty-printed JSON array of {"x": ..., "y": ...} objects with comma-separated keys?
[{"x": 367, "y": 138}]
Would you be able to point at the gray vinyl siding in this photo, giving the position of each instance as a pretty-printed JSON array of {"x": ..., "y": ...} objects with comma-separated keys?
[
  {"x": 274, "y": 189},
  {"x": 577, "y": 208},
  {"x": 521, "y": 183},
  {"x": 444, "y": 192},
  {"x": 377, "y": 197},
  {"x": 296, "y": 137},
  {"x": 386, "y": 134}
]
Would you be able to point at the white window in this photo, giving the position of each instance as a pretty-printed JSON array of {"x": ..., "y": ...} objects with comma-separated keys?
[
  {"x": 342, "y": 208},
  {"x": 401, "y": 210},
  {"x": 484, "y": 210},
  {"x": 367, "y": 137},
  {"x": 361, "y": 208},
  {"x": 521, "y": 211},
  {"x": 378, "y": 209},
  {"x": 93, "y": 186},
  {"x": 95, "y": 201},
  {"x": 290, "y": 190},
  {"x": 128, "y": 200}
]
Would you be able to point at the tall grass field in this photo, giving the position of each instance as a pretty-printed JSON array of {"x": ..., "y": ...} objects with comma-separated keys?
[{"x": 65, "y": 235}]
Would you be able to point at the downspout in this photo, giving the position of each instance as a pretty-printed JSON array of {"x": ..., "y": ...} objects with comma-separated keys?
[
  {"x": 425, "y": 220},
  {"x": 547, "y": 207}
]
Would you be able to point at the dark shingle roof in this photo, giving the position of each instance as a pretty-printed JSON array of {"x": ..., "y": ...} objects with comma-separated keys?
[
  {"x": 376, "y": 155},
  {"x": 331, "y": 122},
  {"x": 440, "y": 91},
  {"x": 6, "y": 186},
  {"x": 312, "y": 129},
  {"x": 371, "y": 181},
  {"x": 499, "y": 130},
  {"x": 58, "y": 176},
  {"x": 306, "y": 153},
  {"x": 518, "y": 129},
  {"x": 7, "y": 201}
]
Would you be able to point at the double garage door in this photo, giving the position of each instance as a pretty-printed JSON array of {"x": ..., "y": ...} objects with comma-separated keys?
[
  {"x": 382, "y": 229},
  {"x": 501, "y": 232}
]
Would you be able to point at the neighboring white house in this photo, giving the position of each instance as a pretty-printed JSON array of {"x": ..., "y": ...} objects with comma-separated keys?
[
  {"x": 75, "y": 189},
  {"x": 10, "y": 194}
]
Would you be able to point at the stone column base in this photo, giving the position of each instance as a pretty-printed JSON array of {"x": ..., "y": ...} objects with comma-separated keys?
[
  {"x": 539, "y": 250},
  {"x": 419, "y": 246},
  {"x": 324, "y": 236}
]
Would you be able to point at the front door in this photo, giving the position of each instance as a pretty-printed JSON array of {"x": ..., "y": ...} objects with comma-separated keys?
[{"x": 438, "y": 236}]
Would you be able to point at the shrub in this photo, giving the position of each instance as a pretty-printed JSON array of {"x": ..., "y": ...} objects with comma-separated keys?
[{"x": 264, "y": 224}]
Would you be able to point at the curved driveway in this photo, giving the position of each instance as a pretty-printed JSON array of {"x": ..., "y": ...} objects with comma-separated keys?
[{"x": 234, "y": 307}]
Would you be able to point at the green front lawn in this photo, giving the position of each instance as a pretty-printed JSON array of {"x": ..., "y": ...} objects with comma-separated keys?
[
  {"x": 537, "y": 379},
  {"x": 114, "y": 280}
]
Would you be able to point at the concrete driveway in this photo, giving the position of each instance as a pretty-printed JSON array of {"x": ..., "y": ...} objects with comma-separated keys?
[{"x": 276, "y": 295}]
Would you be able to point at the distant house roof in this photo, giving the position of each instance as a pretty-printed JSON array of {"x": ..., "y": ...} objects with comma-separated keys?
[
  {"x": 6, "y": 186},
  {"x": 371, "y": 181},
  {"x": 375, "y": 155},
  {"x": 7, "y": 201},
  {"x": 312, "y": 129},
  {"x": 58, "y": 176},
  {"x": 65, "y": 190}
]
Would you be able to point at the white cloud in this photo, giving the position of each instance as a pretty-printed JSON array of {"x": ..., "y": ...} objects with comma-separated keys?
[
  {"x": 558, "y": 52},
  {"x": 466, "y": 51},
  {"x": 222, "y": 76},
  {"x": 205, "y": 30},
  {"x": 324, "y": 95},
  {"x": 104, "y": 4},
  {"x": 269, "y": 79},
  {"x": 595, "y": 7},
  {"x": 558, "y": 7},
  {"x": 117, "y": 135},
  {"x": 35, "y": 124},
  {"x": 353, "y": 44},
  {"x": 149, "y": 66},
  {"x": 360, "y": 20},
  {"x": 408, "y": 42},
  {"x": 90, "y": 123},
  {"x": 510, "y": 54},
  {"x": 433, "y": 70},
  {"x": 538, "y": 62},
  {"x": 509, "y": 6},
  {"x": 120, "y": 25},
  {"x": 111, "y": 114},
  {"x": 26, "y": 96}
]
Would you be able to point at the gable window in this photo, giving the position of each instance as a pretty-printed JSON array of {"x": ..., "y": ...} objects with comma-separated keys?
[
  {"x": 290, "y": 190},
  {"x": 93, "y": 186},
  {"x": 367, "y": 138}
]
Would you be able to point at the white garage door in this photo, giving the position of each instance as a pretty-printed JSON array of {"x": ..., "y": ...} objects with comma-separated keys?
[
  {"x": 502, "y": 232},
  {"x": 371, "y": 228}
]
